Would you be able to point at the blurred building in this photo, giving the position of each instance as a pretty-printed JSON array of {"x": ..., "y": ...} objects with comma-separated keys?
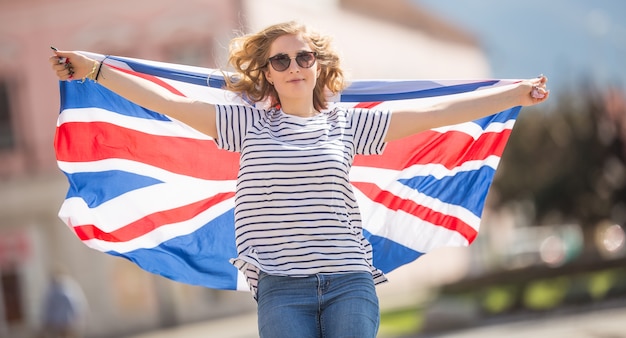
[
  {"x": 121, "y": 297},
  {"x": 391, "y": 39}
]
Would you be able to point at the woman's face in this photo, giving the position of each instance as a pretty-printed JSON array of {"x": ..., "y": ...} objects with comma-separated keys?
[{"x": 295, "y": 82}]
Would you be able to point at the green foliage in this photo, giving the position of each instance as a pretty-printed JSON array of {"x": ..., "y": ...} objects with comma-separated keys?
[
  {"x": 499, "y": 298},
  {"x": 546, "y": 294},
  {"x": 400, "y": 322},
  {"x": 568, "y": 162},
  {"x": 600, "y": 283}
]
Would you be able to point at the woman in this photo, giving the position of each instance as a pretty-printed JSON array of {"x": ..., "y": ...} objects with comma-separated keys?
[{"x": 298, "y": 229}]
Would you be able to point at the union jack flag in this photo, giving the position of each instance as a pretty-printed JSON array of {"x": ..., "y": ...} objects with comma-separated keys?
[{"x": 152, "y": 190}]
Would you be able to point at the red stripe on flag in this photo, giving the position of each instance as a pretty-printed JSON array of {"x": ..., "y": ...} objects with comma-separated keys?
[
  {"x": 93, "y": 141},
  {"x": 367, "y": 105},
  {"x": 150, "y": 222},
  {"x": 393, "y": 202},
  {"x": 150, "y": 78},
  {"x": 449, "y": 149}
]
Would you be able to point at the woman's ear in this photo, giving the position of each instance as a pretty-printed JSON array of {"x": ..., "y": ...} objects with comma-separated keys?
[{"x": 268, "y": 77}]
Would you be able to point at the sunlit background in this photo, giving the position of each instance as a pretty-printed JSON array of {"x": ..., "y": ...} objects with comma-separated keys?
[
  {"x": 569, "y": 40},
  {"x": 552, "y": 240}
]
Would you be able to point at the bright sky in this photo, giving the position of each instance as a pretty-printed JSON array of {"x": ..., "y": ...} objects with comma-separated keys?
[{"x": 568, "y": 40}]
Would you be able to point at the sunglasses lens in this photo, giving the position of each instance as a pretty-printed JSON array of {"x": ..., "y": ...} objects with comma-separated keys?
[
  {"x": 280, "y": 62},
  {"x": 305, "y": 60}
]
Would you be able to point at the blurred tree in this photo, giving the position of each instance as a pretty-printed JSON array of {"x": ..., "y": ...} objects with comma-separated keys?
[{"x": 569, "y": 162}]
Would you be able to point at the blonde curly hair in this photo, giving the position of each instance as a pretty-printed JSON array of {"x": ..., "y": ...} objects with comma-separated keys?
[{"x": 249, "y": 54}]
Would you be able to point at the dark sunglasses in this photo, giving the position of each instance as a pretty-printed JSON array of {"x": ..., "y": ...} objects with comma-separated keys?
[{"x": 280, "y": 62}]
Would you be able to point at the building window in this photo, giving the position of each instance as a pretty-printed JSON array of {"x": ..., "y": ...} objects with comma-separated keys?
[
  {"x": 11, "y": 295},
  {"x": 7, "y": 134}
]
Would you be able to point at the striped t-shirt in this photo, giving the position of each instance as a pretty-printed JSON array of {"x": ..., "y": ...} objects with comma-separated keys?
[{"x": 295, "y": 211}]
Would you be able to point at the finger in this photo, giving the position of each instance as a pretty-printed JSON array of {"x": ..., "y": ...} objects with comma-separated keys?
[
  {"x": 54, "y": 60},
  {"x": 538, "y": 92},
  {"x": 62, "y": 75},
  {"x": 539, "y": 86},
  {"x": 63, "y": 53},
  {"x": 57, "y": 66},
  {"x": 65, "y": 56},
  {"x": 65, "y": 74},
  {"x": 62, "y": 66}
]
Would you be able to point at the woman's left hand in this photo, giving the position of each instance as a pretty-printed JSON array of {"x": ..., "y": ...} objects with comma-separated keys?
[{"x": 534, "y": 91}]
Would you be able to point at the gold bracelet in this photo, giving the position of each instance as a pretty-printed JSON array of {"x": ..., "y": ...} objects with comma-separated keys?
[{"x": 92, "y": 73}]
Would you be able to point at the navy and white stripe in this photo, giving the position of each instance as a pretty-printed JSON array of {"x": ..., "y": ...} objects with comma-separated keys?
[{"x": 295, "y": 211}]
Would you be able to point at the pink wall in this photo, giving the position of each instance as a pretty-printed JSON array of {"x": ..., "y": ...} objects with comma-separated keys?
[
  {"x": 155, "y": 29},
  {"x": 32, "y": 188}
]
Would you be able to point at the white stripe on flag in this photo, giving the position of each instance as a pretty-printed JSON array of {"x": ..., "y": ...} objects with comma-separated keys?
[{"x": 161, "y": 234}]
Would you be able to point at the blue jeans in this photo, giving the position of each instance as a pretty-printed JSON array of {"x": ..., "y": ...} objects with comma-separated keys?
[{"x": 319, "y": 306}]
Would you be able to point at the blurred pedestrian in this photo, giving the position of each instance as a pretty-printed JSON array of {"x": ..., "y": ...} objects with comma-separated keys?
[
  {"x": 297, "y": 224},
  {"x": 64, "y": 308}
]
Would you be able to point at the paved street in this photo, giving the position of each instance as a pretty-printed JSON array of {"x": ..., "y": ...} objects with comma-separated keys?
[
  {"x": 243, "y": 326},
  {"x": 604, "y": 323}
]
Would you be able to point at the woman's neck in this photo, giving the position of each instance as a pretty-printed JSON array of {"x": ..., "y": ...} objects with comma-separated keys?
[{"x": 299, "y": 108}]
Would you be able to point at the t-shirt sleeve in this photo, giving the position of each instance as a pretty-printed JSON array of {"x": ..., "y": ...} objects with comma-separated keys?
[
  {"x": 369, "y": 127},
  {"x": 232, "y": 123}
]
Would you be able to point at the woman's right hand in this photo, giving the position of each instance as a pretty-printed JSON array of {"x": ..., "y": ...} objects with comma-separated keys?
[
  {"x": 151, "y": 95},
  {"x": 75, "y": 66}
]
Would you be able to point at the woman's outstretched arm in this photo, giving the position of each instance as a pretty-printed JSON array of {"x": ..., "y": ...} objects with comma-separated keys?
[
  {"x": 467, "y": 107},
  {"x": 197, "y": 114}
]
